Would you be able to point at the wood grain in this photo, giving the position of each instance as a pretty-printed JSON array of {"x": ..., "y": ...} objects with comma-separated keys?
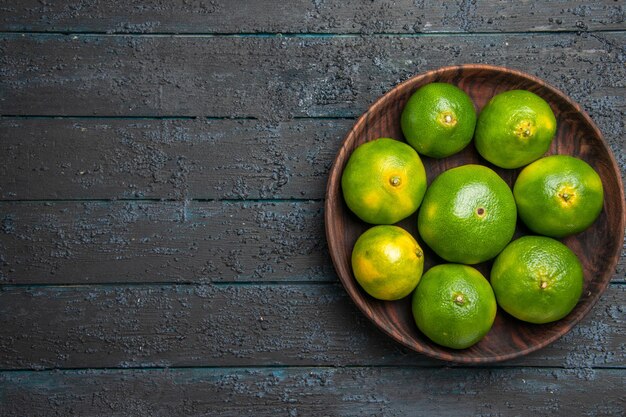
[
  {"x": 313, "y": 391},
  {"x": 174, "y": 159},
  {"x": 330, "y": 16},
  {"x": 276, "y": 78},
  {"x": 598, "y": 247},
  {"x": 166, "y": 241},
  {"x": 76, "y": 158},
  {"x": 242, "y": 325},
  {"x": 201, "y": 242}
]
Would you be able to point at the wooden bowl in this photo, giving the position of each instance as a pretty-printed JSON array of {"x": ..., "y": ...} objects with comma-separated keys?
[{"x": 598, "y": 247}]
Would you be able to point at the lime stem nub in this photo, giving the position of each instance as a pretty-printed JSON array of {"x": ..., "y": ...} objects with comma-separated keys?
[
  {"x": 459, "y": 299},
  {"x": 543, "y": 284},
  {"x": 447, "y": 118},
  {"x": 480, "y": 211},
  {"x": 567, "y": 194},
  {"x": 524, "y": 129},
  {"x": 394, "y": 181}
]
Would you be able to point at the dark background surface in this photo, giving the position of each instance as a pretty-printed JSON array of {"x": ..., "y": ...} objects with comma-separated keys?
[{"x": 162, "y": 175}]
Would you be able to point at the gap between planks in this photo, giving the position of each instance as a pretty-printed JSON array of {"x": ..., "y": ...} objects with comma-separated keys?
[
  {"x": 166, "y": 200},
  {"x": 169, "y": 117},
  {"x": 151, "y": 284},
  {"x": 125, "y": 284},
  {"x": 303, "y": 34},
  {"x": 434, "y": 365}
]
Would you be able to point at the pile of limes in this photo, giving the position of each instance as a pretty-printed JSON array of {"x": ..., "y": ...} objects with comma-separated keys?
[{"x": 468, "y": 214}]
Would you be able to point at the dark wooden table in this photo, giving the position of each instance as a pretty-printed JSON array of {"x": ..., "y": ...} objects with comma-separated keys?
[{"x": 162, "y": 175}]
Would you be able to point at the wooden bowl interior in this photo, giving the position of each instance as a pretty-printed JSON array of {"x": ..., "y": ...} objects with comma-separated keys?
[{"x": 598, "y": 247}]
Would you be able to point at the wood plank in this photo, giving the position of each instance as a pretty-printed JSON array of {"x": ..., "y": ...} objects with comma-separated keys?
[
  {"x": 242, "y": 325},
  {"x": 178, "y": 159},
  {"x": 173, "y": 159},
  {"x": 275, "y": 78},
  {"x": 95, "y": 242},
  {"x": 313, "y": 391},
  {"x": 329, "y": 16},
  {"x": 181, "y": 159},
  {"x": 167, "y": 241}
]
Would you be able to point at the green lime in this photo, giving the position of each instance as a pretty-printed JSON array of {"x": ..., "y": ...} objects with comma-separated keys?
[
  {"x": 558, "y": 195},
  {"x": 537, "y": 279},
  {"x": 438, "y": 120},
  {"x": 468, "y": 214},
  {"x": 387, "y": 262},
  {"x": 515, "y": 128},
  {"x": 384, "y": 181},
  {"x": 454, "y": 305}
]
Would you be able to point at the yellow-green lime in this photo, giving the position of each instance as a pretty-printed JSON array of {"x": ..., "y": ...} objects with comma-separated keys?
[
  {"x": 387, "y": 262},
  {"x": 454, "y": 305},
  {"x": 558, "y": 195},
  {"x": 515, "y": 128},
  {"x": 537, "y": 279},
  {"x": 468, "y": 214},
  {"x": 384, "y": 181},
  {"x": 438, "y": 120}
]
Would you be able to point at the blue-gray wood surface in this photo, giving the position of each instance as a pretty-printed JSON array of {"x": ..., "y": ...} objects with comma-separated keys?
[{"x": 162, "y": 175}]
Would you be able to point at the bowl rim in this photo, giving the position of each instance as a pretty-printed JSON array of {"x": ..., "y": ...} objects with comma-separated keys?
[{"x": 334, "y": 183}]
